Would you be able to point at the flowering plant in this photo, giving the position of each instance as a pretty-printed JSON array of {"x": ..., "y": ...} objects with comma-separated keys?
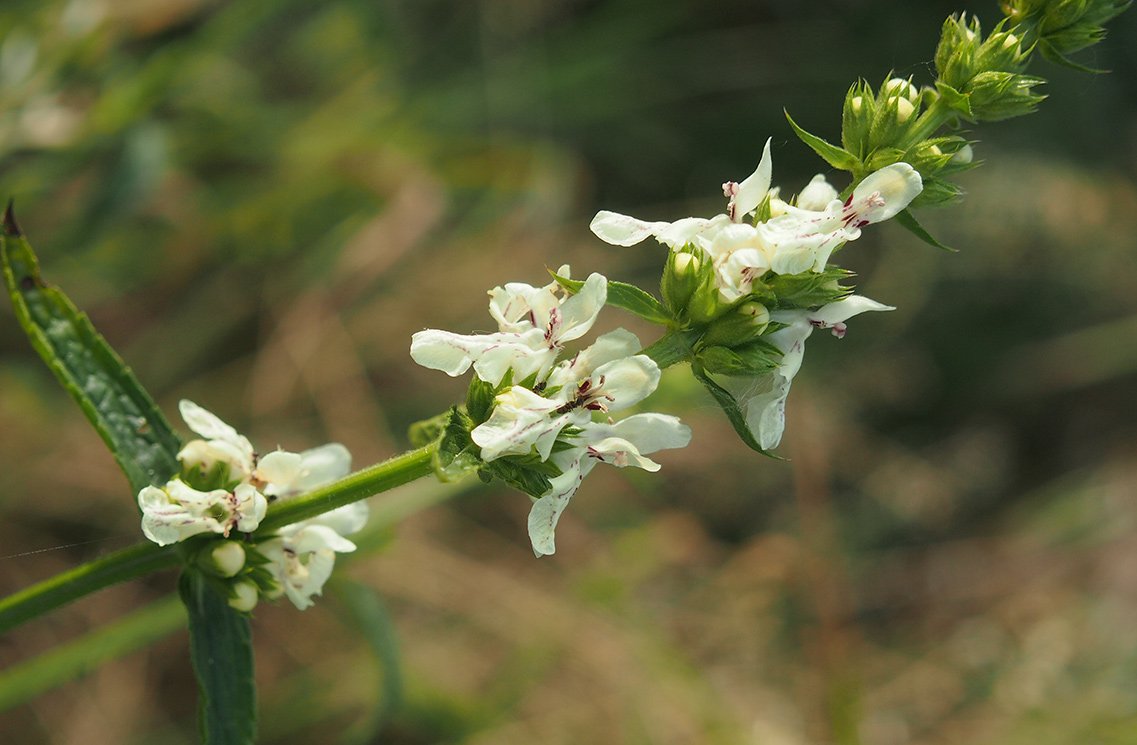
[{"x": 739, "y": 295}]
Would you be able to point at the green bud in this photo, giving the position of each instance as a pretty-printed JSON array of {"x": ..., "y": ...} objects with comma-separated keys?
[
  {"x": 680, "y": 279},
  {"x": 745, "y": 323},
  {"x": 957, "y": 51},
  {"x": 1003, "y": 95},
  {"x": 243, "y": 595},
  {"x": 857, "y": 118},
  {"x": 903, "y": 88},
  {"x": 893, "y": 116},
  {"x": 1001, "y": 52},
  {"x": 963, "y": 156},
  {"x": 1062, "y": 27},
  {"x": 706, "y": 301}
]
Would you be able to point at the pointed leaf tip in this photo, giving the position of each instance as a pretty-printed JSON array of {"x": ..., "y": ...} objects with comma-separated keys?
[{"x": 11, "y": 227}]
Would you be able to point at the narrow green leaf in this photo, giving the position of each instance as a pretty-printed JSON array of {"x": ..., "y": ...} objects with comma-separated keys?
[
  {"x": 1051, "y": 53},
  {"x": 837, "y": 157},
  {"x": 26, "y": 680},
  {"x": 909, "y": 221},
  {"x": 367, "y": 615},
  {"x": 104, "y": 387},
  {"x": 221, "y": 648},
  {"x": 627, "y": 297},
  {"x": 732, "y": 410}
]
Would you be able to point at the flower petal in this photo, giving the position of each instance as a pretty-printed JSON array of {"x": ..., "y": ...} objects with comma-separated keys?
[
  {"x": 817, "y": 194},
  {"x": 885, "y": 193},
  {"x": 577, "y": 314},
  {"x": 546, "y": 511},
  {"x": 753, "y": 188},
  {"x": 521, "y": 420},
  {"x": 627, "y": 381},
  {"x": 492, "y": 355}
]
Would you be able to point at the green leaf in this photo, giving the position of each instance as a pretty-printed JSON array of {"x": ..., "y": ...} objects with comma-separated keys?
[
  {"x": 480, "y": 396},
  {"x": 909, "y": 221},
  {"x": 531, "y": 478},
  {"x": 1051, "y": 53},
  {"x": 627, "y": 297},
  {"x": 753, "y": 358},
  {"x": 672, "y": 348},
  {"x": 122, "y": 412},
  {"x": 457, "y": 455},
  {"x": 367, "y": 615},
  {"x": 221, "y": 648},
  {"x": 956, "y": 101},
  {"x": 803, "y": 290},
  {"x": 839, "y": 158},
  {"x": 66, "y": 662},
  {"x": 732, "y": 410}
]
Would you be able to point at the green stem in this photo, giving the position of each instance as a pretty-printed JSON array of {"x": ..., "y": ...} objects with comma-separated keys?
[
  {"x": 73, "y": 584},
  {"x": 397, "y": 471}
]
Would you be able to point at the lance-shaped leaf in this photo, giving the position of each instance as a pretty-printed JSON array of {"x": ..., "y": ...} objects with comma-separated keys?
[
  {"x": 221, "y": 647},
  {"x": 909, "y": 221},
  {"x": 626, "y": 296},
  {"x": 837, "y": 157},
  {"x": 125, "y": 416}
]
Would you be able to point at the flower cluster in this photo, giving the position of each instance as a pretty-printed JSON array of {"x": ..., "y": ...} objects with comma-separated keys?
[
  {"x": 550, "y": 414},
  {"x": 224, "y": 489},
  {"x": 754, "y": 281}
]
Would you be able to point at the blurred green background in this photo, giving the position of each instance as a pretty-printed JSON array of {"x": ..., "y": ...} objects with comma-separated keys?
[{"x": 258, "y": 201}]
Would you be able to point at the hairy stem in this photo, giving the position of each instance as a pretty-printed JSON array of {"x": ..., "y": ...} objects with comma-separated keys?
[{"x": 397, "y": 471}]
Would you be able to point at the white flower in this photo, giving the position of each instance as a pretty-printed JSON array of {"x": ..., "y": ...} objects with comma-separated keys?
[
  {"x": 177, "y": 511},
  {"x": 601, "y": 378},
  {"x": 286, "y": 474},
  {"x": 222, "y": 444},
  {"x": 534, "y": 325},
  {"x": 763, "y": 399},
  {"x": 622, "y": 444},
  {"x": 800, "y": 238},
  {"x": 302, "y": 556}
]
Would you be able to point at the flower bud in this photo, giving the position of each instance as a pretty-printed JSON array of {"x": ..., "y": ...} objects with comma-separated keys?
[
  {"x": 963, "y": 156},
  {"x": 680, "y": 278},
  {"x": 225, "y": 559},
  {"x": 817, "y": 194},
  {"x": 903, "y": 106},
  {"x": 856, "y": 118},
  {"x": 902, "y": 87},
  {"x": 745, "y": 323},
  {"x": 243, "y": 595}
]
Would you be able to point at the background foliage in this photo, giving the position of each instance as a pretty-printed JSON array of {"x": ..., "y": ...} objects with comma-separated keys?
[{"x": 258, "y": 202}]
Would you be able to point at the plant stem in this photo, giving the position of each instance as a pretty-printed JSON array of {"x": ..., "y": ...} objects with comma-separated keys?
[
  {"x": 397, "y": 471},
  {"x": 73, "y": 584},
  {"x": 145, "y": 558}
]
